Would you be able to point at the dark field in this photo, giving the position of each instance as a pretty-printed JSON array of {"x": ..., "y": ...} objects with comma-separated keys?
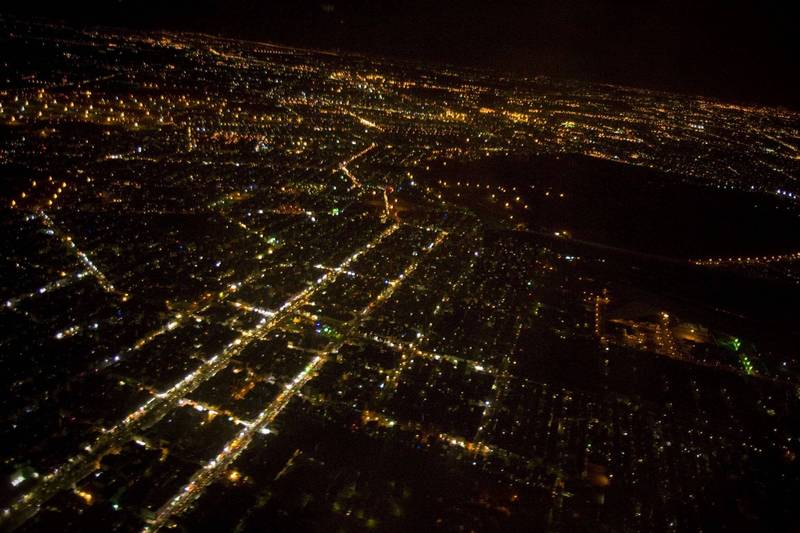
[{"x": 623, "y": 206}]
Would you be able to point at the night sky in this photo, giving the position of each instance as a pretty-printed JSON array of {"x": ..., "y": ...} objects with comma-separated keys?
[{"x": 741, "y": 51}]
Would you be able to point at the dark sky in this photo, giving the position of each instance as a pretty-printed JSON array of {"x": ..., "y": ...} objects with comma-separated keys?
[{"x": 736, "y": 50}]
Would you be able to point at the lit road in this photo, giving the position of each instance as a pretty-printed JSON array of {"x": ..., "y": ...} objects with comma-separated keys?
[
  {"x": 78, "y": 467},
  {"x": 753, "y": 260},
  {"x": 217, "y": 467},
  {"x": 60, "y": 283},
  {"x": 90, "y": 266},
  {"x": 365, "y": 122},
  {"x": 343, "y": 164}
]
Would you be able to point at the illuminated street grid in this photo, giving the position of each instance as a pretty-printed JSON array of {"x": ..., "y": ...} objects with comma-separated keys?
[{"x": 237, "y": 298}]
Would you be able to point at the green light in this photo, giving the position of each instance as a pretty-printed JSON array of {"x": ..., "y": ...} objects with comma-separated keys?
[
  {"x": 733, "y": 343},
  {"x": 747, "y": 365}
]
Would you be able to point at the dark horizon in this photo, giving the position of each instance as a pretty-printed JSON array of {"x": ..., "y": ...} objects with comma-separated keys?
[{"x": 739, "y": 52}]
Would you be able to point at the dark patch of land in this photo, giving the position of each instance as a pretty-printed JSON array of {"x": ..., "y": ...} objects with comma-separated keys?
[{"x": 622, "y": 206}]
